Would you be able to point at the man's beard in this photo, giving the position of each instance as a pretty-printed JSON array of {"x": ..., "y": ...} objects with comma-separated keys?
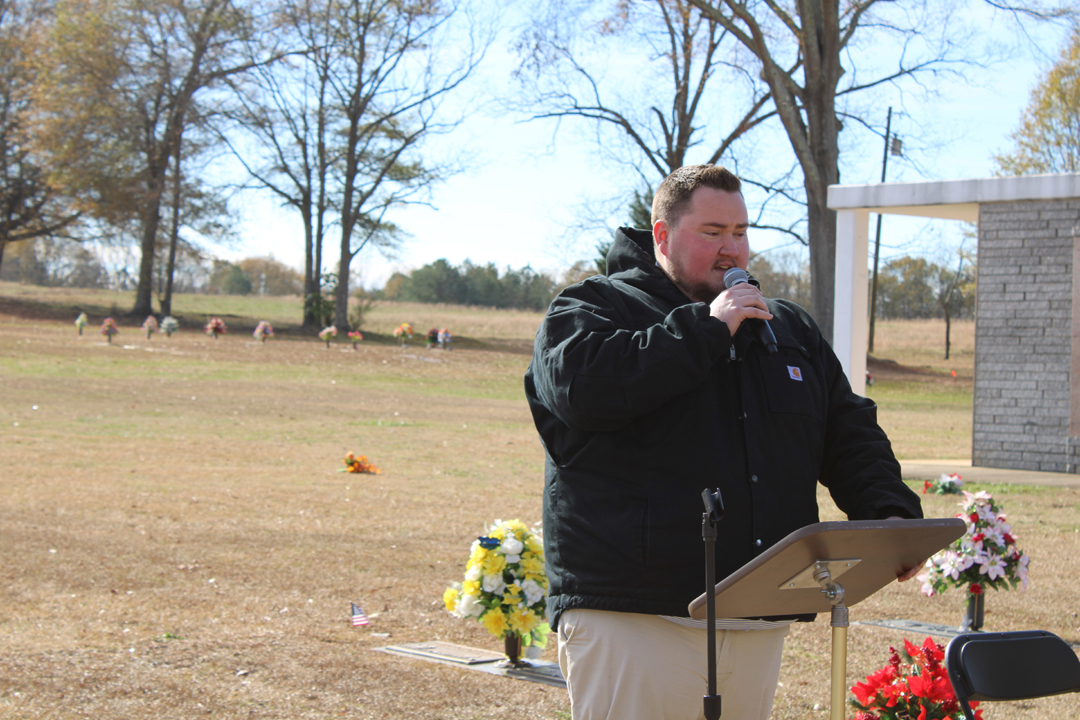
[{"x": 697, "y": 290}]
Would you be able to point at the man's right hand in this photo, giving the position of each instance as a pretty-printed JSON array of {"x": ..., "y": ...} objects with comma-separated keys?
[{"x": 737, "y": 304}]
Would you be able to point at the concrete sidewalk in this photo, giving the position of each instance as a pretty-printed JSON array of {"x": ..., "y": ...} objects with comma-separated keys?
[{"x": 933, "y": 469}]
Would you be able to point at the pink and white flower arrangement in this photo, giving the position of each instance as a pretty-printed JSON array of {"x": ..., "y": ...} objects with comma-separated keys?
[
  {"x": 108, "y": 328},
  {"x": 986, "y": 556},
  {"x": 150, "y": 326},
  {"x": 215, "y": 326}
]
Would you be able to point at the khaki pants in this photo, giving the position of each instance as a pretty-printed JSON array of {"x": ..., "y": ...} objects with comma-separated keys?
[{"x": 625, "y": 666}]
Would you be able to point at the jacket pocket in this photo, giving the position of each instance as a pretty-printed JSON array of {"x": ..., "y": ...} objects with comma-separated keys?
[
  {"x": 601, "y": 532},
  {"x": 792, "y": 385}
]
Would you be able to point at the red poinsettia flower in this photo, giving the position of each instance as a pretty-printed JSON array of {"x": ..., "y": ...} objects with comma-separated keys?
[
  {"x": 881, "y": 681},
  {"x": 936, "y": 689},
  {"x": 918, "y": 689}
]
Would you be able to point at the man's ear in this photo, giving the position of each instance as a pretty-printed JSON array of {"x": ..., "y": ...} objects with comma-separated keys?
[{"x": 660, "y": 231}]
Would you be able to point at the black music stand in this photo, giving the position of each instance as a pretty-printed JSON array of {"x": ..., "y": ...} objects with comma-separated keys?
[{"x": 799, "y": 574}]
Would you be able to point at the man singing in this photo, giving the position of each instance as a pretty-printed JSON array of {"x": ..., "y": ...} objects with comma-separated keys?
[{"x": 648, "y": 386}]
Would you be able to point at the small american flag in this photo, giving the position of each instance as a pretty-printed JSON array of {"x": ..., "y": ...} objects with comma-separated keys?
[{"x": 359, "y": 619}]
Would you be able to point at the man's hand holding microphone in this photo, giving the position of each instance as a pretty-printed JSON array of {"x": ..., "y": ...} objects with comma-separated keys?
[{"x": 742, "y": 301}]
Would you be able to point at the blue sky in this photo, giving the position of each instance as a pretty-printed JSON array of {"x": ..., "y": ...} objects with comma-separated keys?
[{"x": 520, "y": 202}]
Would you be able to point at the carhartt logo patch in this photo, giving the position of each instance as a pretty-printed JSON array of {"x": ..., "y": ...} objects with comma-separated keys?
[{"x": 794, "y": 373}]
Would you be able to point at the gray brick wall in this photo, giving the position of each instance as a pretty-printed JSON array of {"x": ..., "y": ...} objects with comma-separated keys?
[{"x": 1023, "y": 336}]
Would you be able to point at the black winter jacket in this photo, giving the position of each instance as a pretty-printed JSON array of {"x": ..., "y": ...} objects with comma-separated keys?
[{"x": 642, "y": 400}]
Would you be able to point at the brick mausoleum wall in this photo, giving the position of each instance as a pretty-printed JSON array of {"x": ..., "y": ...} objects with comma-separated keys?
[{"x": 1023, "y": 336}]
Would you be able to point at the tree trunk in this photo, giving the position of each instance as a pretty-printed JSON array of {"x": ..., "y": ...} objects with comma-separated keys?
[
  {"x": 151, "y": 220},
  {"x": 341, "y": 296},
  {"x": 821, "y": 47},
  {"x": 311, "y": 280},
  {"x": 821, "y": 226},
  {"x": 948, "y": 327},
  {"x": 166, "y": 303}
]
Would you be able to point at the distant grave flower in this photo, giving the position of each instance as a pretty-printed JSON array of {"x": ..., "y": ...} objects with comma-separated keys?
[
  {"x": 215, "y": 326},
  {"x": 81, "y": 322},
  {"x": 328, "y": 333},
  {"x": 150, "y": 326},
  {"x": 403, "y": 333},
  {"x": 356, "y": 336},
  {"x": 263, "y": 330},
  {"x": 108, "y": 328},
  {"x": 358, "y": 464},
  {"x": 947, "y": 484},
  {"x": 169, "y": 325}
]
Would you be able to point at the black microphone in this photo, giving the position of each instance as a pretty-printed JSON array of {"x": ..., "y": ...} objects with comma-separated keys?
[{"x": 764, "y": 333}]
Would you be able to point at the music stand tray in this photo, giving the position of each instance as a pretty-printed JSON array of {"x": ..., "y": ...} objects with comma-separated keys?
[{"x": 826, "y": 567}]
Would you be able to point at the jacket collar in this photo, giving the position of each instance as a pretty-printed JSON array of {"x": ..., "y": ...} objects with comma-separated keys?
[{"x": 632, "y": 259}]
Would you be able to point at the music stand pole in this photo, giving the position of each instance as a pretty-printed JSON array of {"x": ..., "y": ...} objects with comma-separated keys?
[
  {"x": 834, "y": 591},
  {"x": 714, "y": 511}
]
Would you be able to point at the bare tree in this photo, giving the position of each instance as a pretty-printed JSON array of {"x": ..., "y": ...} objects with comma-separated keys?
[
  {"x": 823, "y": 34},
  {"x": 703, "y": 102},
  {"x": 285, "y": 111},
  {"x": 388, "y": 78},
  {"x": 342, "y": 129}
]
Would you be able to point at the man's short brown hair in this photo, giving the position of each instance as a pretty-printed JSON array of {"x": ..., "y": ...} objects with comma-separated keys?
[{"x": 673, "y": 195}]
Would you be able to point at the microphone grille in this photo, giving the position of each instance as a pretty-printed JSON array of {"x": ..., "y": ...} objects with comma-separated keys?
[{"x": 734, "y": 276}]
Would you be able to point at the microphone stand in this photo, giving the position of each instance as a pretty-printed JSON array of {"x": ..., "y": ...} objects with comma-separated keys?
[{"x": 714, "y": 512}]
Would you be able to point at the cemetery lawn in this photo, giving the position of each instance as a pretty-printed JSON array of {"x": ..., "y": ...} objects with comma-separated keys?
[{"x": 178, "y": 541}]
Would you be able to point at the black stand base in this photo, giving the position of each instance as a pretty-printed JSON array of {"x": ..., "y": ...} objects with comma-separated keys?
[{"x": 973, "y": 616}]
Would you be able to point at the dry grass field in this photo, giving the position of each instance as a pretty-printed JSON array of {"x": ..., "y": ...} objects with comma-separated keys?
[{"x": 178, "y": 541}]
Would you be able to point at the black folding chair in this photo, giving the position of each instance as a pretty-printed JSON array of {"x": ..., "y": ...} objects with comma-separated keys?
[{"x": 1010, "y": 666}]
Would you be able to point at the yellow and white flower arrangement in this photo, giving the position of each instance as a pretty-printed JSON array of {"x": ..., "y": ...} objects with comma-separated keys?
[
  {"x": 505, "y": 585},
  {"x": 403, "y": 333},
  {"x": 327, "y": 334}
]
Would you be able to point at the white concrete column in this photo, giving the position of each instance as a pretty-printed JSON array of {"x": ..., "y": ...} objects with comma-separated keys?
[{"x": 850, "y": 301}]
